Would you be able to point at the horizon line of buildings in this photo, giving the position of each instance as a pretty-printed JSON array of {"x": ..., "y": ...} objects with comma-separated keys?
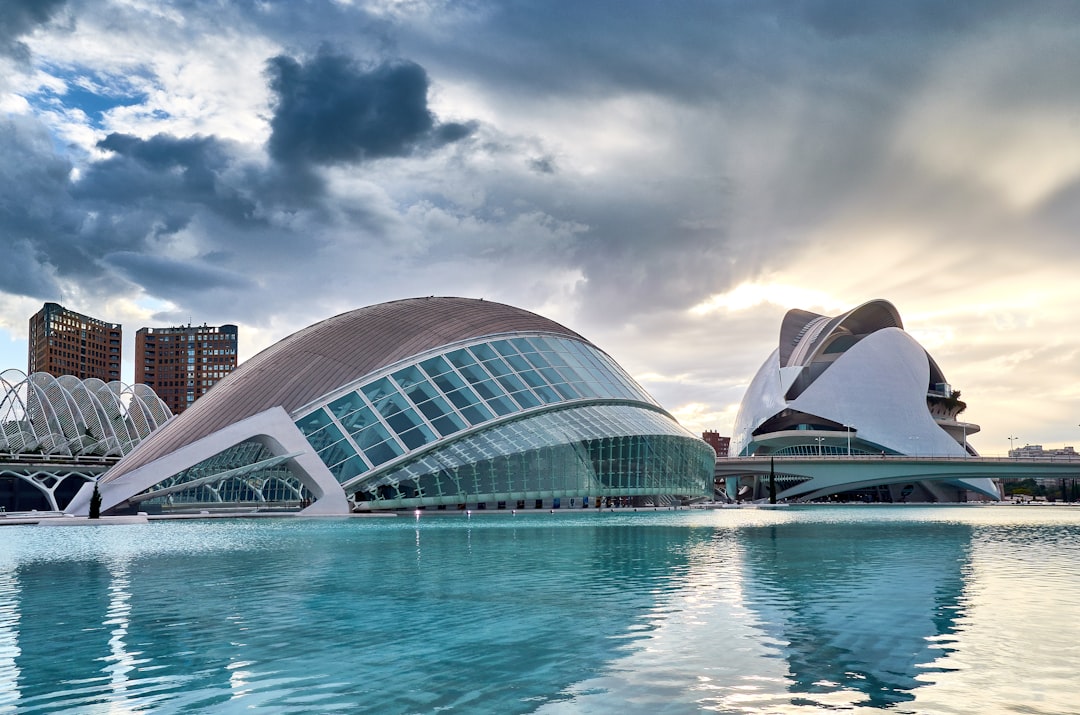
[{"x": 179, "y": 363}]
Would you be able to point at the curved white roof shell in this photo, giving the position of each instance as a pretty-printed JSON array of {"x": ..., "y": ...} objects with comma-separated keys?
[{"x": 856, "y": 382}]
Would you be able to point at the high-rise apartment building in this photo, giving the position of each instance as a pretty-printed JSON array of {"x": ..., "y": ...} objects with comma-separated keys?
[
  {"x": 63, "y": 342},
  {"x": 182, "y": 363}
]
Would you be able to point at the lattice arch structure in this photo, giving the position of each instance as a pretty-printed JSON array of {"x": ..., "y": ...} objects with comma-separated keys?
[
  {"x": 58, "y": 432},
  {"x": 42, "y": 414}
]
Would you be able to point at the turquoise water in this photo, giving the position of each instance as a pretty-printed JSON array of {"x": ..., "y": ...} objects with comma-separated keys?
[{"x": 857, "y": 609}]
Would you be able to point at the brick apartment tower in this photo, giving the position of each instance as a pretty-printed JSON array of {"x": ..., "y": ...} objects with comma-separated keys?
[
  {"x": 719, "y": 444},
  {"x": 181, "y": 364},
  {"x": 63, "y": 342}
]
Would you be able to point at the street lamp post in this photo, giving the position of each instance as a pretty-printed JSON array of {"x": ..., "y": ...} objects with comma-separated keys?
[
  {"x": 1011, "y": 444},
  {"x": 819, "y": 440}
]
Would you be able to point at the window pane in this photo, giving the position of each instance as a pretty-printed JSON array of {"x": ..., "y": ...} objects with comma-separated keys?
[
  {"x": 408, "y": 377},
  {"x": 348, "y": 469},
  {"x": 525, "y": 399},
  {"x": 502, "y": 406},
  {"x": 358, "y": 420},
  {"x": 422, "y": 392},
  {"x": 417, "y": 437},
  {"x": 475, "y": 414},
  {"x": 482, "y": 351},
  {"x": 448, "y": 382},
  {"x": 503, "y": 348},
  {"x": 378, "y": 390},
  {"x": 460, "y": 358},
  {"x": 448, "y": 424},
  {"x": 435, "y": 366},
  {"x": 404, "y": 420},
  {"x": 346, "y": 405},
  {"x": 372, "y": 435},
  {"x": 382, "y": 452},
  {"x": 310, "y": 424}
]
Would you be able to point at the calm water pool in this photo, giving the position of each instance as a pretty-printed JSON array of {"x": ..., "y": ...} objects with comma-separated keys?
[{"x": 858, "y": 609}]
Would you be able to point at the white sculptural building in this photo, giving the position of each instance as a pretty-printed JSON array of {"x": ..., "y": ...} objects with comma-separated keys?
[
  {"x": 58, "y": 433},
  {"x": 856, "y": 384}
]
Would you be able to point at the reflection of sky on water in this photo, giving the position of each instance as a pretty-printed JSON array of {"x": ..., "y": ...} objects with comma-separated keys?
[{"x": 769, "y": 612}]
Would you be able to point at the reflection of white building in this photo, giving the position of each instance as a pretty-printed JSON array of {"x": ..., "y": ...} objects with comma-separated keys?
[{"x": 856, "y": 384}]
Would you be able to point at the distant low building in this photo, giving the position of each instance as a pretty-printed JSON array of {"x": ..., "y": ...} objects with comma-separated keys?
[
  {"x": 719, "y": 444},
  {"x": 1036, "y": 451}
]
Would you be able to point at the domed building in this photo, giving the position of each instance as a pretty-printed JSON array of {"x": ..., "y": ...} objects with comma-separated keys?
[
  {"x": 430, "y": 403},
  {"x": 855, "y": 384}
]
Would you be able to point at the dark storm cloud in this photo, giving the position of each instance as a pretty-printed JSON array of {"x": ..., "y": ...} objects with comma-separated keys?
[
  {"x": 331, "y": 111},
  {"x": 170, "y": 172},
  {"x": 18, "y": 18}
]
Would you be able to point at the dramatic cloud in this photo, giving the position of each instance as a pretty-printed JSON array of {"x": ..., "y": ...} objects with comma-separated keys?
[
  {"x": 20, "y": 17},
  {"x": 666, "y": 179},
  {"x": 331, "y": 111}
]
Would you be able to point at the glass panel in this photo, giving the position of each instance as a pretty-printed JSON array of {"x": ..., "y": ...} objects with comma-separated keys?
[
  {"x": 417, "y": 437},
  {"x": 378, "y": 390},
  {"x": 519, "y": 363},
  {"x": 346, "y": 405},
  {"x": 422, "y": 392},
  {"x": 357, "y": 421},
  {"x": 522, "y": 345},
  {"x": 483, "y": 351},
  {"x": 460, "y": 358},
  {"x": 476, "y": 414},
  {"x": 511, "y": 383},
  {"x": 404, "y": 420},
  {"x": 348, "y": 469},
  {"x": 568, "y": 391},
  {"x": 502, "y": 406},
  {"x": 548, "y": 395},
  {"x": 408, "y": 377},
  {"x": 448, "y": 425},
  {"x": 525, "y": 399},
  {"x": 382, "y": 452},
  {"x": 435, "y": 366},
  {"x": 538, "y": 360},
  {"x": 497, "y": 367},
  {"x": 488, "y": 390},
  {"x": 372, "y": 435},
  {"x": 438, "y": 407},
  {"x": 448, "y": 382},
  {"x": 310, "y": 424},
  {"x": 503, "y": 348}
]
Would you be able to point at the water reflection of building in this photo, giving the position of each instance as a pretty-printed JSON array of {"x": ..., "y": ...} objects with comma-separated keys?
[{"x": 864, "y": 608}]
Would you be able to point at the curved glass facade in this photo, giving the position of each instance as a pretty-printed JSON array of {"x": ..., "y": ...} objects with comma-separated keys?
[
  {"x": 441, "y": 395},
  {"x": 522, "y": 417},
  {"x": 598, "y": 451}
]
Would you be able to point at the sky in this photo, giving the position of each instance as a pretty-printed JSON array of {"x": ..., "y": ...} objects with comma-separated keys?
[{"x": 667, "y": 179}]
